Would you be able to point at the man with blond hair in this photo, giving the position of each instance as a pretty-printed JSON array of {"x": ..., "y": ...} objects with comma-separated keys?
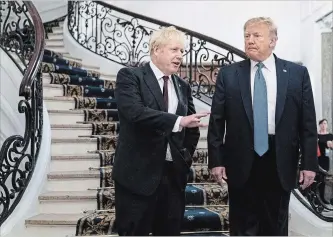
[
  {"x": 158, "y": 136},
  {"x": 263, "y": 106}
]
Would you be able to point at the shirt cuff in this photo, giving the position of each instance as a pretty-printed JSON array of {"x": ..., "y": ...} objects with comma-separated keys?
[{"x": 177, "y": 127}]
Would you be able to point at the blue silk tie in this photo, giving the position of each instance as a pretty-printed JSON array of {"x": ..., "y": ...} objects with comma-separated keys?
[{"x": 260, "y": 112}]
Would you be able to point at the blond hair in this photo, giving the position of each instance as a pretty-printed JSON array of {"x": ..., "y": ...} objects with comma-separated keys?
[
  {"x": 263, "y": 20},
  {"x": 165, "y": 35}
]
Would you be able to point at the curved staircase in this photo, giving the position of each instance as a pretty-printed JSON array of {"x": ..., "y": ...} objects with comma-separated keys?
[
  {"x": 78, "y": 197},
  {"x": 83, "y": 114}
]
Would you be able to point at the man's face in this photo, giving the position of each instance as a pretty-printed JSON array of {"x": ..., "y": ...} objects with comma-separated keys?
[
  {"x": 169, "y": 56},
  {"x": 259, "y": 42}
]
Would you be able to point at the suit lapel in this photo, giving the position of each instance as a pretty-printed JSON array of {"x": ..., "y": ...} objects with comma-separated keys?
[
  {"x": 282, "y": 77},
  {"x": 153, "y": 86},
  {"x": 244, "y": 80},
  {"x": 180, "y": 94}
]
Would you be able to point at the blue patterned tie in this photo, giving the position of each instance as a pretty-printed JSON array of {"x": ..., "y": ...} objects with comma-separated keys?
[{"x": 260, "y": 112}]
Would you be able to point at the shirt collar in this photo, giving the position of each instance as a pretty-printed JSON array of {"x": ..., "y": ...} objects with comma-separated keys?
[
  {"x": 269, "y": 63},
  {"x": 157, "y": 72}
]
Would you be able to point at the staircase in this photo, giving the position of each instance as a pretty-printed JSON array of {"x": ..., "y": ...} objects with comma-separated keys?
[{"x": 79, "y": 196}]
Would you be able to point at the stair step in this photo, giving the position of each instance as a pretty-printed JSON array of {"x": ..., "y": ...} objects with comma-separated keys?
[
  {"x": 71, "y": 146},
  {"x": 55, "y": 36},
  {"x": 52, "y": 225},
  {"x": 58, "y": 29},
  {"x": 58, "y": 49},
  {"x": 75, "y": 180},
  {"x": 59, "y": 90},
  {"x": 54, "y": 42},
  {"x": 68, "y": 196},
  {"x": 85, "y": 156},
  {"x": 84, "y": 179},
  {"x": 84, "y": 161},
  {"x": 56, "y": 103},
  {"x": 74, "y": 162},
  {"x": 54, "y": 219},
  {"x": 47, "y": 77},
  {"x": 52, "y": 90},
  {"x": 67, "y": 56},
  {"x": 71, "y": 130},
  {"x": 59, "y": 225},
  {"x": 83, "y": 174},
  {"x": 107, "y": 76},
  {"x": 64, "y": 116},
  {"x": 67, "y": 201},
  {"x": 78, "y": 102}
]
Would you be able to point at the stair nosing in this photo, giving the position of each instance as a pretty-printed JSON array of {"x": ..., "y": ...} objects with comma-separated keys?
[
  {"x": 74, "y": 111},
  {"x": 54, "y": 45},
  {"x": 59, "y": 98},
  {"x": 48, "y": 40},
  {"x": 87, "y": 174},
  {"x": 79, "y": 139},
  {"x": 53, "y": 86},
  {"x": 73, "y": 126},
  {"x": 68, "y": 196},
  {"x": 86, "y": 156},
  {"x": 64, "y": 111},
  {"x": 59, "y": 222},
  {"x": 52, "y": 34}
]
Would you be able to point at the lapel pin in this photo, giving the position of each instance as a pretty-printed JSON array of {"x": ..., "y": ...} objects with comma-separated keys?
[{"x": 284, "y": 70}]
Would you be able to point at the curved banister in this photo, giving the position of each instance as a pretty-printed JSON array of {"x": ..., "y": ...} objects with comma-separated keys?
[
  {"x": 36, "y": 59},
  {"x": 122, "y": 36},
  {"x": 22, "y": 39}
]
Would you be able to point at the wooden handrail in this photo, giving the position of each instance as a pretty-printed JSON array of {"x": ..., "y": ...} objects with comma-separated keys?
[{"x": 36, "y": 59}]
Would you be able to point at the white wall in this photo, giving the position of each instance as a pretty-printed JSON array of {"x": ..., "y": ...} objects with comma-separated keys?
[
  {"x": 224, "y": 20},
  {"x": 11, "y": 121},
  {"x": 50, "y": 10},
  {"x": 310, "y": 44}
]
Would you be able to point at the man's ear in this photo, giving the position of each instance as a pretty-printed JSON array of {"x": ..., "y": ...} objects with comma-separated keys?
[
  {"x": 156, "y": 50},
  {"x": 273, "y": 41}
]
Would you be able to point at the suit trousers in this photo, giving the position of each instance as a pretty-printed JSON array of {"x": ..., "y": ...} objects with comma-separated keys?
[
  {"x": 160, "y": 214},
  {"x": 261, "y": 206}
]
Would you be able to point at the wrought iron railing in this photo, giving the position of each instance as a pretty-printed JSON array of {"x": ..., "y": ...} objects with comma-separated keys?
[
  {"x": 123, "y": 37},
  {"x": 320, "y": 206},
  {"x": 22, "y": 39}
]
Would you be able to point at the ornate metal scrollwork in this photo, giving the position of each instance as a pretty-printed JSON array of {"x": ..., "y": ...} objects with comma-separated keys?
[
  {"x": 22, "y": 39},
  {"x": 315, "y": 203},
  {"x": 17, "y": 31},
  {"x": 122, "y": 37}
]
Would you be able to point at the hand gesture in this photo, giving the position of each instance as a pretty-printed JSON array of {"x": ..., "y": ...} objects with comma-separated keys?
[{"x": 193, "y": 120}]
